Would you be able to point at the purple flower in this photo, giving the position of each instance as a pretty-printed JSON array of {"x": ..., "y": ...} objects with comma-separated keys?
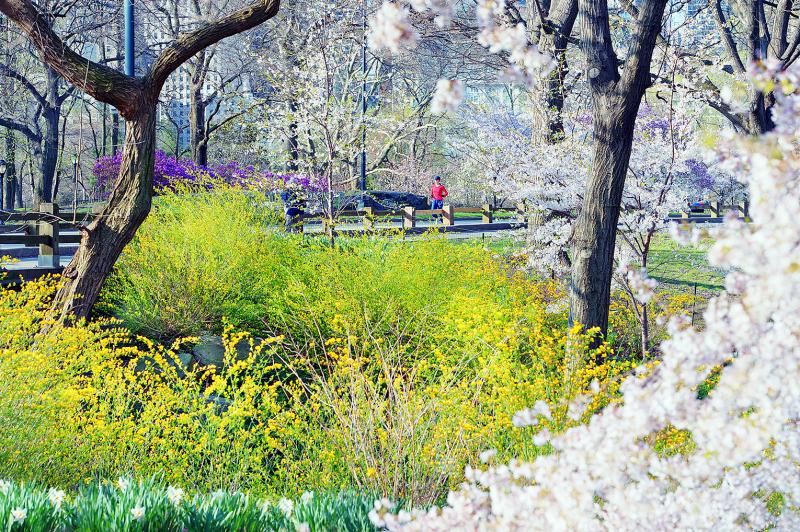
[
  {"x": 698, "y": 171},
  {"x": 170, "y": 171}
]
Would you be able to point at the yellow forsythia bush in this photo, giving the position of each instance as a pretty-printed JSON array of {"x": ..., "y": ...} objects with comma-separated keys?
[{"x": 397, "y": 407}]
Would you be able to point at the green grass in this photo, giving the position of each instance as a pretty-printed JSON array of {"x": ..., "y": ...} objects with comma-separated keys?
[
  {"x": 676, "y": 267},
  {"x": 684, "y": 267}
]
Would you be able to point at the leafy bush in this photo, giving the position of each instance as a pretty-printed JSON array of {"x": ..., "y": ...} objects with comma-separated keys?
[
  {"x": 399, "y": 413},
  {"x": 199, "y": 257},
  {"x": 376, "y": 365}
]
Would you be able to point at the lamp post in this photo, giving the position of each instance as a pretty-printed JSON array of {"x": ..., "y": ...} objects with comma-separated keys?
[
  {"x": 3, "y": 168},
  {"x": 130, "y": 64},
  {"x": 363, "y": 180}
]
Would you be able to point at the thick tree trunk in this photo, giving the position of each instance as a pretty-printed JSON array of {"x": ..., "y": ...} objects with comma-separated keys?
[
  {"x": 616, "y": 100},
  {"x": 127, "y": 207},
  {"x": 548, "y": 123},
  {"x": 11, "y": 171},
  {"x": 594, "y": 239},
  {"x": 548, "y": 120},
  {"x": 758, "y": 119}
]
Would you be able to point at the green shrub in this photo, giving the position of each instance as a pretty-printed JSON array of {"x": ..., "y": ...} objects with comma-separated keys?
[
  {"x": 198, "y": 257},
  {"x": 388, "y": 366}
]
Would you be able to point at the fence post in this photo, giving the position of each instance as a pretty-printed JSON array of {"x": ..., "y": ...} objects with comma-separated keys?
[
  {"x": 521, "y": 212},
  {"x": 715, "y": 212},
  {"x": 488, "y": 215},
  {"x": 449, "y": 215},
  {"x": 409, "y": 218},
  {"x": 744, "y": 208},
  {"x": 369, "y": 218},
  {"x": 48, "y": 226}
]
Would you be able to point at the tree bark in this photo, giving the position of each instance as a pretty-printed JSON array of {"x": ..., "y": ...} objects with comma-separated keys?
[
  {"x": 293, "y": 141},
  {"x": 114, "y": 133},
  {"x": 594, "y": 240},
  {"x": 197, "y": 122},
  {"x": 616, "y": 102},
  {"x": 553, "y": 38},
  {"x": 49, "y": 156},
  {"x": 127, "y": 207}
]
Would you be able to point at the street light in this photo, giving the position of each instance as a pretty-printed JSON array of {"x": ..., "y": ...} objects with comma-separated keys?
[
  {"x": 130, "y": 68},
  {"x": 363, "y": 181},
  {"x": 3, "y": 168}
]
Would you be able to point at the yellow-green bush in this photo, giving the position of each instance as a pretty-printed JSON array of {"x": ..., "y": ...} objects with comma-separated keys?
[
  {"x": 364, "y": 407},
  {"x": 387, "y": 365},
  {"x": 625, "y": 329},
  {"x": 198, "y": 257}
]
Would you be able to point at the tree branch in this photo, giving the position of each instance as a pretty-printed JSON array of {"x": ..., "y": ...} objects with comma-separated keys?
[
  {"x": 597, "y": 45},
  {"x": 648, "y": 29},
  {"x": 186, "y": 46},
  {"x": 22, "y": 128},
  {"x": 9, "y": 72},
  {"x": 727, "y": 36},
  {"x": 101, "y": 82}
]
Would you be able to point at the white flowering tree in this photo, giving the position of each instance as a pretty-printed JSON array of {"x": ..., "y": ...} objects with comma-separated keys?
[
  {"x": 316, "y": 79},
  {"x": 615, "y": 94}
]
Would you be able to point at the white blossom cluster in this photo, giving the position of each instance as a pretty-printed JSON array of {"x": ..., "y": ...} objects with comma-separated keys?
[
  {"x": 606, "y": 476},
  {"x": 642, "y": 286},
  {"x": 448, "y": 96},
  {"x": 391, "y": 29}
]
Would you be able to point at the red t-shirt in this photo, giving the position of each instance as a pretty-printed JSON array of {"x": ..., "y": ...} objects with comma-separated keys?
[{"x": 438, "y": 192}]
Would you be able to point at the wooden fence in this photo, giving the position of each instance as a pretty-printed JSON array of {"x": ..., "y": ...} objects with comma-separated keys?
[
  {"x": 717, "y": 210},
  {"x": 44, "y": 229},
  {"x": 49, "y": 229},
  {"x": 409, "y": 216}
]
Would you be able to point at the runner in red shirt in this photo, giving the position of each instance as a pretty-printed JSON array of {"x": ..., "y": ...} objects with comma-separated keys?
[{"x": 438, "y": 193}]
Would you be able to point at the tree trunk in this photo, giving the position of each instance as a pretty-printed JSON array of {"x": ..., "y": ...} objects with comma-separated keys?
[
  {"x": 616, "y": 100},
  {"x": 293, "y": 141},
  {"x": 594, "y": 239},
  {"x": 49, "y": 160},
  {"x": 114, "y": 132},
  {"x": 11, "y": 171},
  {"x": 127, "y": 207},
  {"x": 548, "y": 124},
  {"x": 104, "y": 144},
  {"x": 758, "y": 121},
  {"x": 548, "y": 121},
  {"x": 197, "y": 123}
]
